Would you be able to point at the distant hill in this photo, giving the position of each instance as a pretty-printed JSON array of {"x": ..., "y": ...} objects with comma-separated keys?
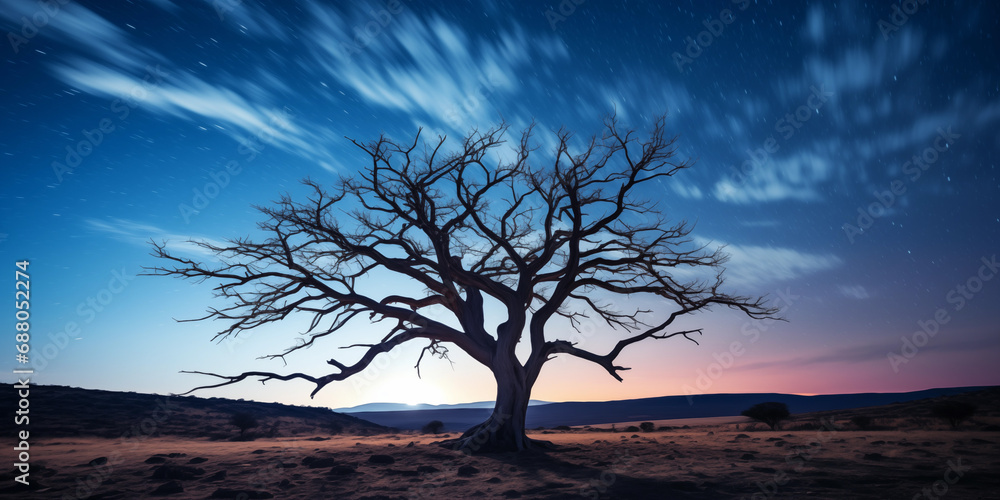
[
  {"x": 59, "y": 411},
  {"x": 661, "y": 408},
  {"x": 375, "y": 407}
]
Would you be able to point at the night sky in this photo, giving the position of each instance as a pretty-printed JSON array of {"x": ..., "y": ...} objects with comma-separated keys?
[{"x": 845, "y": 153}]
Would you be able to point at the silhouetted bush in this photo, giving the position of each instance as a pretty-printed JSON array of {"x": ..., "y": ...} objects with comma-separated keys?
[
  {"x": 433, "y": 427},
  {"x": 563, "y": 428},
  {"x": 862, "y": 422},
  {"x": 272, "y": 431},
  {"x": 805, "y": 426},
  {"x": 631, "y": 428},
  {"x": 647, "y": 426},
  {"x": 954, "y": 412},
  {"x": 770, "y": 413},
  {"x": 243, "y": 421}
]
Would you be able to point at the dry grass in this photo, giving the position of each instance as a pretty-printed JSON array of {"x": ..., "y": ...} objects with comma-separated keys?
[
  {"x": 817, "y": 455},
  {"x": 703, "y": 461}
]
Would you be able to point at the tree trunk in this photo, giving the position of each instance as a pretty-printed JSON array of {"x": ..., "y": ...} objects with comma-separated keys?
[{"x": 504, "y": 429}]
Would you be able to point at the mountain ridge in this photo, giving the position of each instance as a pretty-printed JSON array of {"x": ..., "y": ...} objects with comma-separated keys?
[{"x": 657, "y": 408}]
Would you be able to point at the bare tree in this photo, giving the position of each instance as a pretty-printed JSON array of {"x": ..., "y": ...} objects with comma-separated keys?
[
  {"x": 541, "y": 244},
  {"x": 770, "y": 413}
]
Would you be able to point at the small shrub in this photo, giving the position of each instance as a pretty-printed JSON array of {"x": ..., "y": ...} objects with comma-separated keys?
[
  {"x": 862, "y": 422},
  {"x": 563, "y": 428},
  {"x": 631, "y": 428},
  {"x": 770, "y": 413},
  {"x": 806, "y": 426},
  {"x": 334, "y": 427},
  {"x": 433, "y": 427},
  {"x": 954, "y": 412},
  {"x": 272, "y": 431},
  {"x": 244, "y": 421},
  {"x": 647, "y": 426}
]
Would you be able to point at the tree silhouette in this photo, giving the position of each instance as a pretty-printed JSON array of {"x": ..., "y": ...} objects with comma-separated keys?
[
  {"x": 770, "y": 413},
  {"x": 863, "y": 422},
  {"x": 244, "y": 422},
  {"x": 953, "y": 412},
  {"x": 545, "y": 246},
  {"x": 433, "y": 427}
]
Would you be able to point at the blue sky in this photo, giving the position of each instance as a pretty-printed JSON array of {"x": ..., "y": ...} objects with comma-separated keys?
[{"x": 846, "y": 155}]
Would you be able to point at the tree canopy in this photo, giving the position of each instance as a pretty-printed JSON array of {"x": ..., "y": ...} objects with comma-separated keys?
[{"x": 478, "y": 227}]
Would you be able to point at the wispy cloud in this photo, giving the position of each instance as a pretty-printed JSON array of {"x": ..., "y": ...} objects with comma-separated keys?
[
  {"x": 857, "y": 292},
  {"x": 428, "y": 68},
  {"x": 795, "y": 177},
  {"x": 249, "y": 18},
  {"x": 869, "y": 352},
  {"x": 136, "y": 233},
  {"x": 79, "y": 27},
  {"x": 752, "y": 267}
]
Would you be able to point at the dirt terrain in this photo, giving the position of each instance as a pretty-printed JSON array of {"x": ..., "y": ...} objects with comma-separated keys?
[{"x": 904, "y": 453}]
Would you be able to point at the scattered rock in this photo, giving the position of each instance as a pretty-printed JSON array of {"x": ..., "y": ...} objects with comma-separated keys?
[
  {"x": 766, "y": 470},
  {"x": 197, "y": 460},
  {"x": 467, "y": 471},
  {"x": 427, "y": 469},
  {"x": 402, "y": 472},
  {"x": 511, "y": 494},
  {"x": 747, "y": 456},
  {"x": 746, "y": 436},
  {"x": 168, "y": 488},
  {"x": 218, "y": 476},
  {"x": 824, "y": 482},
  {"x": 878, "y": 442},
  {"x": 155, "y": 460},
  {"x": 318, "y": 462},
  {"x": 683, "y": 485},
  {"x": 410, "y": 445},
  {"x": 873, "y": 456},
  {"x": 342, "y": 470},
  {"x": 381, "y": 459},
  {"x": 98, "y": 461},
  {"x": 494, "y": 480},
  {"x": 258, "y": 452},
  {"x": 241, "y": 494},
  {"x": 181, "y": 472}
]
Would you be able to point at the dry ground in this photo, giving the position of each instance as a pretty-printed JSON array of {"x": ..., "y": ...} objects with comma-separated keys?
[{"x": 714, "y": 460}]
